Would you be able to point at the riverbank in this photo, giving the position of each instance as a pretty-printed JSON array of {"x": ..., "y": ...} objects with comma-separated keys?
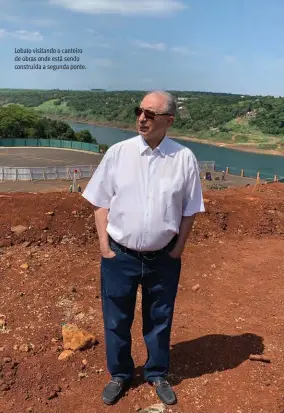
[{"x": 249, "y": 147}]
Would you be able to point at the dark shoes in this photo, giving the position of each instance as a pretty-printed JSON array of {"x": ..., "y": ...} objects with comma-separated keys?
[
  {"x": 114, "y": 390},
  {"x": 164, "y": 391}
]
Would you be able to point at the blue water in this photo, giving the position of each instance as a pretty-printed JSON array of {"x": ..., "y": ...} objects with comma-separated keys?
[{"x": 251, "y": 163}]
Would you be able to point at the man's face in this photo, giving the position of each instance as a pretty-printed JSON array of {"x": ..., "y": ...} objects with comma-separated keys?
[{"x": 154, "y": 122}]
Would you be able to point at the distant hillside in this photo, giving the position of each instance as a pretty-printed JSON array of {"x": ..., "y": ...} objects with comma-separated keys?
[
  {"x": 233, "y": 119},
  {"x": 17, "y": 121}
]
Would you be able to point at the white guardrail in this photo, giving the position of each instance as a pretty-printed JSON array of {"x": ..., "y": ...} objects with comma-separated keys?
[
  {"x": 45, "y": 173},
  {"x": 63, "y": 172}
]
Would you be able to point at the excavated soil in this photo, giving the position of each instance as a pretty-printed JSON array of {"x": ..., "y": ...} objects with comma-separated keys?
[{"x": 230, "y": 306}]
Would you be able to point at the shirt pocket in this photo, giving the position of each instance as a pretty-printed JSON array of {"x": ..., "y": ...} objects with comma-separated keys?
[
  {"x": 171, "y": 192},
  {"x": 171, "y": 202}
]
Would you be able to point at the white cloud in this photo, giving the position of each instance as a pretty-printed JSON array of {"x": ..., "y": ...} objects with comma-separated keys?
[
  {"x": 92, "y": 31},
  {"x": 25, "y": 35},
  {"x": 181, "y": 50},
  {"x": 21, "y": 35},
  {"x": 127, "y": 7},
  {"x": 153, "y": 46},
  {"x": 102, "y": 62}
]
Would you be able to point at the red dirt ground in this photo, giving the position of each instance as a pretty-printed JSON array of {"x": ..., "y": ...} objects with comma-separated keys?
[{"x": 235, "y": 255}]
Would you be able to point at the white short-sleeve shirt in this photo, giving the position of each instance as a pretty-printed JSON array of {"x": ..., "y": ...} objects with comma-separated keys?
[{"x": 146, "y": 191}]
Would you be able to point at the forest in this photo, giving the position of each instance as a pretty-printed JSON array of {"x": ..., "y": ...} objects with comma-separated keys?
[
  {"x": 18, "y": 122},
  {"x": 219, "y": 117}
]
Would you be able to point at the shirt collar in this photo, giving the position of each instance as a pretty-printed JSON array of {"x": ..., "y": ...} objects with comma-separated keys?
[{"x": 162, "y": 148}]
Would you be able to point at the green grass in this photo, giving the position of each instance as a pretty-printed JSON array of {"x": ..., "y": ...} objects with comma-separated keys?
[
  {"x": 48, "y": 104},
  {"x": 241, "y": 125},
  {"x": 241, "y": 138},
  {"x": 259, "y": 139},
  {"x": 50, "y": 108},
  {"x": 268, "y": 146},
  {"x": 215, "y": 136},
  {"x": 245, "y": 134},
  {"x": 8, "y": 104}
]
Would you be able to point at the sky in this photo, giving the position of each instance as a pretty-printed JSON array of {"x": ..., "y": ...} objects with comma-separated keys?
[{"x": 228, "y": 46}]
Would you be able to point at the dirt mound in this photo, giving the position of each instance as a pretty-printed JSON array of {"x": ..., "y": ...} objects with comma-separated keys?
[
  {"x": 229, "y": 307},
  {"x": 249, "y": 211},
  {"x": 68, "y": 218},
  {"x": 49, "y": 218}
]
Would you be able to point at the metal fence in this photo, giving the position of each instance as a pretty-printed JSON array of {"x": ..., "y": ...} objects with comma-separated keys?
[
  {"x": 61, "y": 172},
  {"x": 50, "y": 143},
  {"x": 205, "y": 166},
  {"x": 46, "y": 173}
]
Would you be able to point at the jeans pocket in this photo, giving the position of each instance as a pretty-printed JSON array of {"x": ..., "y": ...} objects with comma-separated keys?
[
  {"x": 109, "y": 258},
  {"x": 115, "y": 249}
]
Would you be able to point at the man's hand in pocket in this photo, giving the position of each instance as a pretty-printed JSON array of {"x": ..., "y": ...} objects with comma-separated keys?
[
  {"x": 108, "y": 254},
  {"x": 175, "y": 253}
]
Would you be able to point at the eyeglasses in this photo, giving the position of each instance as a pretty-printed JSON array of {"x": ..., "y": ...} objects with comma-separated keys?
[{"x": 148, "y": 113}]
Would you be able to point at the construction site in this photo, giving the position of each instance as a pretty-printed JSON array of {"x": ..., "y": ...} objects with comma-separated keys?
[
  {"x": 174, "y": 91},
  {"x": 227, "y": 338}
]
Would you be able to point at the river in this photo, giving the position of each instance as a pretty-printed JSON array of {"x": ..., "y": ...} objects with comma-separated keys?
[{"x": 251, "y": 163}]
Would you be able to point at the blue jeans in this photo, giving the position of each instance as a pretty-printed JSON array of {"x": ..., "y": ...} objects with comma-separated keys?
[{"x": 120, "y": 276}]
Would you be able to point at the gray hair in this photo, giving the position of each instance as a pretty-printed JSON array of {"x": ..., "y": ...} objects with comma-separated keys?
[{"x": 171, "y": 105}]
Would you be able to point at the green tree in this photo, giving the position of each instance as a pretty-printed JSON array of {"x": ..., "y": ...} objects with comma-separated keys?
[
  {"x": 15, "y": 121},
  {"x": 198, "y": 112},
  {"x": 85, "y": 136},
  {"x": 20, "y": 122},
  {"x": 103, "y": 147}
]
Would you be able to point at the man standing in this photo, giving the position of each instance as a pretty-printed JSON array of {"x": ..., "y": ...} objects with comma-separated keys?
[{"x": 146, "y": 192}]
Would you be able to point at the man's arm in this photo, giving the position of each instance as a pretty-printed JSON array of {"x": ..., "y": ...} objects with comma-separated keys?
[
  {"x": 184, "y": 231},
  {"x": 99, "y": 193},
  {"x": 101, "y": 225},
  {"x": 192, "y": 204}
]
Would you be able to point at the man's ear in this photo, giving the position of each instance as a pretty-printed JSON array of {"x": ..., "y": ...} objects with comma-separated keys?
[{"x": 171, "y": 120}]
